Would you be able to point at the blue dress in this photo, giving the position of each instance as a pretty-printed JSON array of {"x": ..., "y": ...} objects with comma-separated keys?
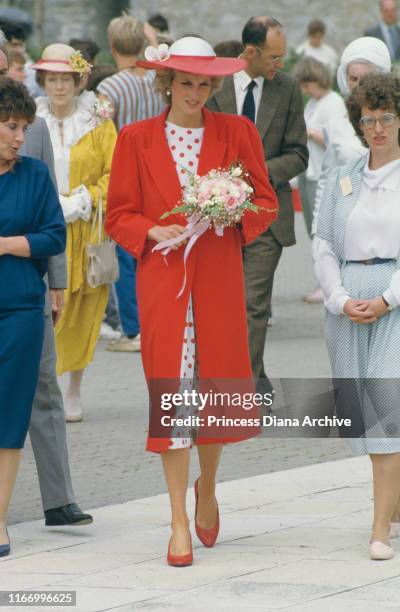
[{"x": 29, "y": 207}]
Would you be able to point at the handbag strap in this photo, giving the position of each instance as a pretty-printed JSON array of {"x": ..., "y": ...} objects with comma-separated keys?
[{"x": 98, "y": 215}]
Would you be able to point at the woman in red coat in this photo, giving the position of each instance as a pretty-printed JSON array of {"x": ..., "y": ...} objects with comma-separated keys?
[{"x": 202, "y": 334}]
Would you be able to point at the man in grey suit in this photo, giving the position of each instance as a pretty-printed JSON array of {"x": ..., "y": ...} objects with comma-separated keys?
[
  {"x": 47, "y": 428},
  {"x": 271, "y": 99},
  {"x": 388, "y": 30}
]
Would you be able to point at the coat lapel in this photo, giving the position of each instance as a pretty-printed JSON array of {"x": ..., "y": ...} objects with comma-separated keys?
[
  {"x": 270, "y": 97},
  {"x": 161, "y": 164},
  {"x": 226, "y": 97},
  {"x": 212, "y": 149}
]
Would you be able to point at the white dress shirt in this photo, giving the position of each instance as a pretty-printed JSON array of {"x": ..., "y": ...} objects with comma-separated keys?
[
  {"x": 373, "y": 230},
  {"x": 241, "y": 81}
]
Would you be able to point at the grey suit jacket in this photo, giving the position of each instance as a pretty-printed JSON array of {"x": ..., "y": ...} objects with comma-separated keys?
[
  {"x": 376, "y": 32},
  {"x": 280, "y": 123},
  {"x": 38, "y": 144}
]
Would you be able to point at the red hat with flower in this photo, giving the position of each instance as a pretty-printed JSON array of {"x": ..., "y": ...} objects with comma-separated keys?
[{"x": 193, "y": 55}]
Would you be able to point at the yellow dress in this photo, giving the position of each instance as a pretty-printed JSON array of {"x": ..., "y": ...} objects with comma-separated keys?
[{"x": 89, "y": 164}]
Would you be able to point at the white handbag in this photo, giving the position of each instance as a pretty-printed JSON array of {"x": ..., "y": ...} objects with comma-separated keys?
[{"x": 102, "y": 265}]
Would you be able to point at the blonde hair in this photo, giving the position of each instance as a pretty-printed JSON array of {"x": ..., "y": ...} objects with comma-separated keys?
[
  {"x": 126, "y": 35},
  {"x": 164, "y": 78}
]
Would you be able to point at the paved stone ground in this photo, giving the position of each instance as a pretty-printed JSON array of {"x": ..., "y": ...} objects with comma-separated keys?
[
  {"x": 107, "y": 459},
  {"x": 293, "y": 541}
]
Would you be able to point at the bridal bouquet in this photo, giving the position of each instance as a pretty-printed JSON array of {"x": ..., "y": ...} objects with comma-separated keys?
[
  {"x": 213, "y": 201},
  {"x": 218, "y": 199}
]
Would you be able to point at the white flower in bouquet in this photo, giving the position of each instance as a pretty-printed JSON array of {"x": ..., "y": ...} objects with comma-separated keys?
[{"x": 237, "y": 171}]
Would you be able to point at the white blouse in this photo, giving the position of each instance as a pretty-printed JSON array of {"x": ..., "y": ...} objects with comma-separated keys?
[
  {"x": 82, "y": 121},
  {"x": 373, "y": 230}
]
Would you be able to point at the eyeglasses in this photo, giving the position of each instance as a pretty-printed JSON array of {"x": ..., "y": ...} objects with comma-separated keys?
[{"x": 368, "y": 122}]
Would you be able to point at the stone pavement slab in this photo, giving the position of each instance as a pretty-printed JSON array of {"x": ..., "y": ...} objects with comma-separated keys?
[{"x": 293, "y": 540}]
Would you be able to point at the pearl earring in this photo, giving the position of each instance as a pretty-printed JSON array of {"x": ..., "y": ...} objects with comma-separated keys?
[{"x": 168, "y": 92}]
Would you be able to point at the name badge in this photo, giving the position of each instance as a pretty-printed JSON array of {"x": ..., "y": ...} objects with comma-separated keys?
[{"x": 346, "y": 186}]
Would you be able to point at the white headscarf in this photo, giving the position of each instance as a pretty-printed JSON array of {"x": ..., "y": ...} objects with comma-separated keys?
[{"x": 367, "y": 49}]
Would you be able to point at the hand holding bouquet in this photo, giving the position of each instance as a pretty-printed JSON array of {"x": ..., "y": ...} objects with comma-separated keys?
[{"x": 216, "y": 200}]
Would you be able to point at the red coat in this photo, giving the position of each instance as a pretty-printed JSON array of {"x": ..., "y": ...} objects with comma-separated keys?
[{"x": 143, "y": 185}]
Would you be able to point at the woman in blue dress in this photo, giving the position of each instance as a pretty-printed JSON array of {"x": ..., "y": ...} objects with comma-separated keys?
[{"x": 31, "y": 230}]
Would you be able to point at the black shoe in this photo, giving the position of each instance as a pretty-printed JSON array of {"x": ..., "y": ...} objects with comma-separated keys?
[{"x": 70, "y": 514}]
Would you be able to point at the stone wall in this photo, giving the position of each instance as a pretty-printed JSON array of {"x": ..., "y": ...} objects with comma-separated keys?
[
  {"x": 61, "y": 20},
  {"x": 214, "y": 19},
  {"x": 218, "y": 20}
]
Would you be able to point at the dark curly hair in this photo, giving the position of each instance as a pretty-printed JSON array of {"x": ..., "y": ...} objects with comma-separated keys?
[
  {"x": 376, "y": 91},
  {"x": 15, "y": 101}
]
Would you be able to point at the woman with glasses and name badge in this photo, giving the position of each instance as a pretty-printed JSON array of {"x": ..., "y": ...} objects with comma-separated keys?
[{"x": 357, "y": 262}]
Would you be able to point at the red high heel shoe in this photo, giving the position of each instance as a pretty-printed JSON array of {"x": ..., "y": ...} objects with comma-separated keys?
[
  {"x": 208, "y": 537},
  {"x": 180, "y": 560}
]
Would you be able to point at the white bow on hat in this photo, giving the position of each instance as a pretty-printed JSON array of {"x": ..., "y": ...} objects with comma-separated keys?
[{"x": 160, "y": 53}]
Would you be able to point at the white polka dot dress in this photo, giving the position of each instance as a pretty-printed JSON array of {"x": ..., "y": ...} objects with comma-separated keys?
[{"x": 185, "y": 145}]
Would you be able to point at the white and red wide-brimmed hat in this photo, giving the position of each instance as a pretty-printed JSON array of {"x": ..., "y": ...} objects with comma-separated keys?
[
  {"x": 62, "y": 58},
  {"x": 193, "y": 55}
]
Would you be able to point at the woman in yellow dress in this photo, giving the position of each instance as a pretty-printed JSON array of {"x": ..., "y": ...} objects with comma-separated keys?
[{"x": 83, "y": 140}]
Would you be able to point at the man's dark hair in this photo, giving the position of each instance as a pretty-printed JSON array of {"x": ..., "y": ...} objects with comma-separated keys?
[
  {"x": 316, "y": 26},
  {"x": 159, "y": 22},
  {"x": 15, "y": 101},
  {"x": 256, "y": 29},
  {"x": 13, "y": 30},
  {"x": 375, "y": 91},
  {"x": 229, "y": 48},
  {"x": 87, "y": 47}
]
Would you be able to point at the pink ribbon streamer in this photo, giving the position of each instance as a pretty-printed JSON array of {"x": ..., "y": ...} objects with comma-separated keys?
[{"x": 196, "y": 227}]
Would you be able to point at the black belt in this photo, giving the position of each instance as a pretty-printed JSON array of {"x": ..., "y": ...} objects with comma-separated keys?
[{"x": 371, "y": 262}]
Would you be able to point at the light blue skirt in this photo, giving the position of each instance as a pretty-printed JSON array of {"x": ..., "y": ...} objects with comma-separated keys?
[{"x": 368, "y": 358}]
